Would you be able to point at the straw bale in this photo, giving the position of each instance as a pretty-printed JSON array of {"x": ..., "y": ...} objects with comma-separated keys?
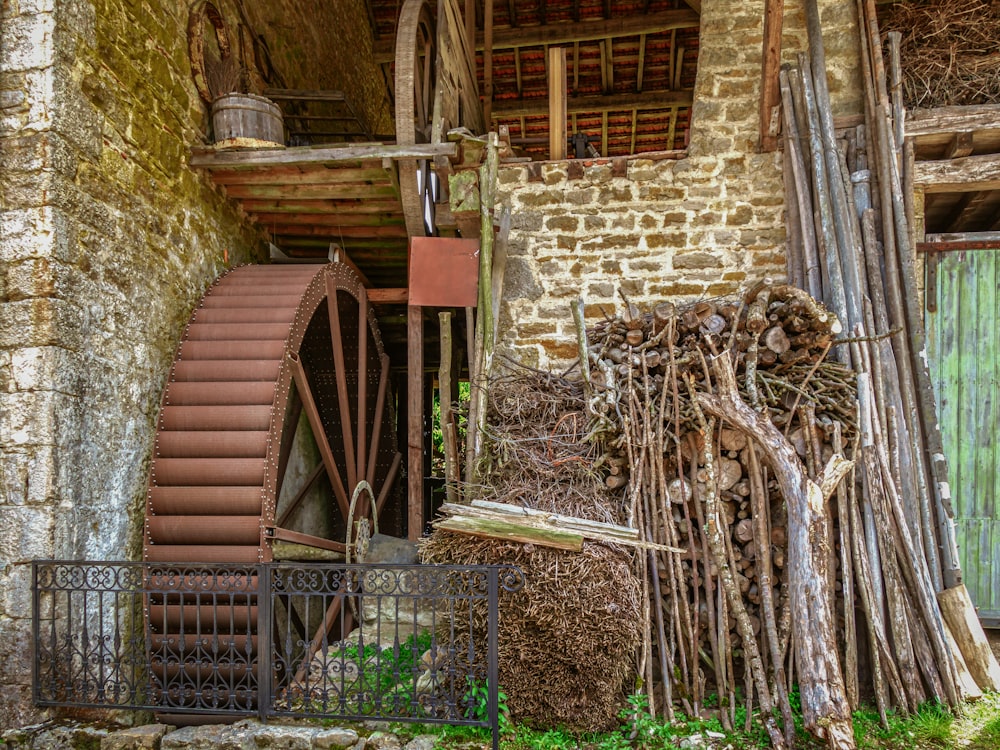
[{"x": 567, "y": 638}]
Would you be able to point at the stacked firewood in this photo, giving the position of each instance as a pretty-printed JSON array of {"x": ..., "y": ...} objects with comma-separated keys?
[{"x": 720, "y": 608}]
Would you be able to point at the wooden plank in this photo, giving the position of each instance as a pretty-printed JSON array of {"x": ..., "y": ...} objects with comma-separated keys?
[
  {"x": 327, "y": 192},
  {"x": 388, "y": 296},
  {"x": 557, "y": 102},
  {"x": 567, "y": 32},
  {"x": 337, "y": 231},
  {"x": 415, "y": 420},
  {"x": 770, "y": 94},
  {"x": 532, "y": 515},
  {"x": 921, "y": 122},
  {"x": 349, "y": 206},
  {"x": 965, "y": 174},
  {"x": 321, "y": 175},
  {"x": 485, "y": 529},
  {"x": 312, "y": 95},
  {"x": 960, "y": 614},
  {"x": 619, "y": 102},
  {"x": 328, "y": 219},
  {"x": 319, "y": 155}
]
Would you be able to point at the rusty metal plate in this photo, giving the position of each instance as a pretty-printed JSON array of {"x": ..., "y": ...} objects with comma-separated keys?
[{"x": 444, "y": 272}]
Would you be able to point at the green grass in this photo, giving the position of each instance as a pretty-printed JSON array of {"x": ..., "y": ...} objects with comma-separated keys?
[{"x": 974, "y": 726}]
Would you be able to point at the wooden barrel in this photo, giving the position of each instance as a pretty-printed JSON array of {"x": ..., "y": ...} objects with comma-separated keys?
[{"x": 246, "y": 116}]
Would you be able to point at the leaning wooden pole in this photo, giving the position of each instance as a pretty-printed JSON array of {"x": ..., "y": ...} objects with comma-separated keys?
[{"x": 825, "y": 708}]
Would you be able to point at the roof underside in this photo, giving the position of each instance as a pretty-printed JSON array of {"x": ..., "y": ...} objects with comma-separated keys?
[{"x": 630, "y": 69}]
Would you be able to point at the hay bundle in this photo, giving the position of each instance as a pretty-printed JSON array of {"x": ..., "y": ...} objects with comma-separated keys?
[
  {"x": 568, "y": 638},
  {"x": 950, "y": 51}
]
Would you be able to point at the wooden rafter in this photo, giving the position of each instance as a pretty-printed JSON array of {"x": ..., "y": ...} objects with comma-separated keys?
[
  {"x": 966, "y": 174},
  {"x": 968, "y": 204},
  {"x": 618, "y": 102},
  {"x": 641, "y": 66},
  {"x": 960, "y": 145},
  {"x": 567, "y": 33}
]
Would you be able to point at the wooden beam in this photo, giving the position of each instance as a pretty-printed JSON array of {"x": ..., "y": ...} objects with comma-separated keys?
[
  {"x": 949, "y": 119},
  {"x": 960, "y": 145},
  {"x": 966, "y": 174},
  {"x": 306, "y": 155},
  {"x": 557, "y": 102},
  {"x": 964, "y": 209},
  {"x": 616, "y": 103},
  {"x": 569, "y": 32},
  {"x": 304, "y": 94},
  {"x": 415, "y": 419},
  {"x": 517, "y": 69},
  {"x": 489, "y": 44},
  {"x": 770, "y": 94},
  {"x": 388, "y": 296},
  {"x": 641, "y": 66}
]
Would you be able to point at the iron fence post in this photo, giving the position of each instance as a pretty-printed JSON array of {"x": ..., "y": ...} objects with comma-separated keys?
[
  {"x": 265, "y": 689},
  {"x": 35, "y": 633},
  {"x": 493, "y": 658}
]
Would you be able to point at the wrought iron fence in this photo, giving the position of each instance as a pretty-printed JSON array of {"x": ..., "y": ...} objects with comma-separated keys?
[{"x": 394, "y": 642}]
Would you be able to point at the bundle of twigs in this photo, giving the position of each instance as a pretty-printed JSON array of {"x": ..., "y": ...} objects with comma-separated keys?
[
  {"x": 702, "y": 480},
  {"x": 950, "y": 50}
]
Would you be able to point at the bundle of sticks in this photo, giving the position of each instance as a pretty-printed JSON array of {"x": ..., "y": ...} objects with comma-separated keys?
[{"x": 715, "y": 417}]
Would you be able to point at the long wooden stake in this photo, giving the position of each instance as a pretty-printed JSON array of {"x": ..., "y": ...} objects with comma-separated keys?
[{"x": 448, "y": 432}]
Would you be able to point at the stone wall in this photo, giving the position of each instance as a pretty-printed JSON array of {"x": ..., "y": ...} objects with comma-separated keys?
[
  {"x": 107, "y": 241},
  {"x": 703, "y": 226}
]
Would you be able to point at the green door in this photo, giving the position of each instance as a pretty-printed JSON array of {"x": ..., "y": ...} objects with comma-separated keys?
[{"x": 963, "y": 343}]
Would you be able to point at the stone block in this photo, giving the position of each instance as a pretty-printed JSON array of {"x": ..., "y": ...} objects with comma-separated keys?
[
  {"x": 336, "y": 737},
  {"x": 198, "y": 738},
  {"x": 145, "y": 737}
]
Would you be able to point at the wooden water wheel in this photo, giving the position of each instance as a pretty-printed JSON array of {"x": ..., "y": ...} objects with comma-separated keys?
[
  {"x": 415, "y": 80},
  {"x": 277, "y": 407}
]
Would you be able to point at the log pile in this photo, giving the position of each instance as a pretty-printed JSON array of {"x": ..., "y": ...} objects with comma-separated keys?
[{"x": 697, "y": 477}]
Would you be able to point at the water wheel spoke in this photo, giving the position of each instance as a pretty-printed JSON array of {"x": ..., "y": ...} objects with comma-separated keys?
[
  {"x": 336, "y": 335},
  {"x": 296, "y": 501},
  {"x": 287, "y": 438},
  {"x": 383, "y": 385},
  {"x": 362, "y": 453},
  {"x": 312, "y": 413},
  {"x": 390, "y": 479}
]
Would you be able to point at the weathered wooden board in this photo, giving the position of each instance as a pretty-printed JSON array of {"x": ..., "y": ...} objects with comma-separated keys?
[
  {"x": 964, "y": 356},
  {"x": 491, "y": 529}
]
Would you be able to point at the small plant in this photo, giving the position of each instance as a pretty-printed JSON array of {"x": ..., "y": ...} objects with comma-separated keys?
[{"x": 477, "y": 698}]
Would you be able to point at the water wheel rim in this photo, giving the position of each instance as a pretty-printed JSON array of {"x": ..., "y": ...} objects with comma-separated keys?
[{"x": 415, "y": 82}]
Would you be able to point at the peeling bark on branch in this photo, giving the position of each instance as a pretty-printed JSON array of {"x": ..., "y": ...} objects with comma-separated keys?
[{"x": 825, "y": 708}]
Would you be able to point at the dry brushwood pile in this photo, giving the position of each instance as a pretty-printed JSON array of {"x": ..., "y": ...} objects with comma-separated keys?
[
  {"x": 566, "y": 639},
  {"x": 950, "y": 51}
]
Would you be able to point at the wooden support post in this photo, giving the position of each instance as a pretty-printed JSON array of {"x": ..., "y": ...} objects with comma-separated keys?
[
  {"x": 557, "y": 103},
  {"x": 415, "y": 420},
  {"x": 770, "y": 95},
  {"x": 487, "y": 61},
  {"x": 448, "y": 430}
]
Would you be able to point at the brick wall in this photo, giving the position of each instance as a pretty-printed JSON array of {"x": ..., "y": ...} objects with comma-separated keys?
[{"x": 703, "y": 226}]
